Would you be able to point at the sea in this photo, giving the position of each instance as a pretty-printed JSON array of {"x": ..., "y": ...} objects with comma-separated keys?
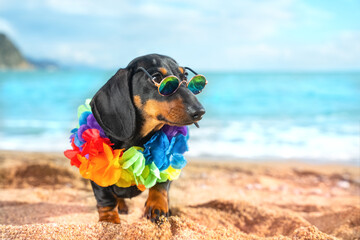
[{"x": 254, "y": 116}]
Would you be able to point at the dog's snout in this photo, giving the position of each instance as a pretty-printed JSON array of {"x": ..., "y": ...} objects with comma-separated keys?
[{"x": 196, "y": 113}]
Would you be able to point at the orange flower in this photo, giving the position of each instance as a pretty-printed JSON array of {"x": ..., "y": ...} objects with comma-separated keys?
[
  {"x": 141, "y": 187},
  {"x": 85, "y": 168},
  {"x": 105, "y": 172},
  {"x": 102, "y": 168}
]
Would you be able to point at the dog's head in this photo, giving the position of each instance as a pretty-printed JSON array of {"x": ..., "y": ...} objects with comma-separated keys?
[{"x": 130, "y": 107}]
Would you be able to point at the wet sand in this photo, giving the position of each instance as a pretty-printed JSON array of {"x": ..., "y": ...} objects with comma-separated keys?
[{"x": 43, "y": 197}]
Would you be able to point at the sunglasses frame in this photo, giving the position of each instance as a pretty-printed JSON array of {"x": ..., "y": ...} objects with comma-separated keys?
[{"x": 180, "y": 82}]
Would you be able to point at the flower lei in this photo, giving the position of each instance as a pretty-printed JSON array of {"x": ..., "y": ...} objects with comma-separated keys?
[{"x": 160, "y": 160}]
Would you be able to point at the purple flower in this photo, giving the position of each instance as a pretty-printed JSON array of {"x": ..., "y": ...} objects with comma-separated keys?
[
  {"x": 171, "y": 131},
  {"x": 92, "y": 123},
  {"x": 86, "y": 121},
  {"x": 82, "y": 129}
]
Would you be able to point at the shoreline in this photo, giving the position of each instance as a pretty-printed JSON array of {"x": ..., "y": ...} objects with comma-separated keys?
[
  {"x": 230, "y": 159},
  {"x": 41, "y": 194}
]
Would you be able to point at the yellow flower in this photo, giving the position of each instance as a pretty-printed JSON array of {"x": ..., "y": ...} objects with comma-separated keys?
[{"x": 172, "y": 173}]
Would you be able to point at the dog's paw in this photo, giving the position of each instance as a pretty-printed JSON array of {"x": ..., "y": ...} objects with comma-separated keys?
[
  {"x": 108, "y": 214},
  {"x": 122, "y": 207},
  {"x": 156, "y": 214},
  {"x": 156, "y": 206}
]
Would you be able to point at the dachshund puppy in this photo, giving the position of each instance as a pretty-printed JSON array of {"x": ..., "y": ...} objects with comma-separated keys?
[{"x": 130, "y": 110}]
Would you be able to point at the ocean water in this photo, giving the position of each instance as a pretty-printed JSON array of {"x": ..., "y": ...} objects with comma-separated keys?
[{"x": 303, "y": 116}]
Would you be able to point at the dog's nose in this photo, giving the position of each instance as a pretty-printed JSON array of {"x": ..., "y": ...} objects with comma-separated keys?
[{"x": 196, "y": 113}]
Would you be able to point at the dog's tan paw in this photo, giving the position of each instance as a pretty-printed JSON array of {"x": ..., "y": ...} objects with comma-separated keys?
[
  {"x": 156, "y": 206},
  {"x": 108, "y": 214}
]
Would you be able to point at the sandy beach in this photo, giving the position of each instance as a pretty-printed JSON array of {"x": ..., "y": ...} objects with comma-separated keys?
[{"x": 43, "y": 197}]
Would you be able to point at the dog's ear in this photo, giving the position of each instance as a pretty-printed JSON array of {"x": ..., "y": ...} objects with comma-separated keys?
[{"x": 113, "y": 108}]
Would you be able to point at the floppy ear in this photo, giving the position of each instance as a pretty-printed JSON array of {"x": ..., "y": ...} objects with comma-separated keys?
[{"x": 113, "y": 108}]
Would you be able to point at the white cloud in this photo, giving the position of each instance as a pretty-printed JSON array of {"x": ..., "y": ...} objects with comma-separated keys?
[
  {"x": 223, "y": 34},
  {"x": 7, "y": 28},
  {"x": 89, "y": 7},
  {"x": 340, "y": 52},
  {"x": 243, "y": 19},
  {"x": 74, "y": 53}
]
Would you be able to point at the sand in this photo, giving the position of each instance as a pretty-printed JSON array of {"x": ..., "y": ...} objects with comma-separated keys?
[{"x": 43, "y": 197}]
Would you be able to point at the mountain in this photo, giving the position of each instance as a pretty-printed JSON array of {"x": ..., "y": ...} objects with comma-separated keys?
[
  {"x": 44, "y": 64},
  {"x": 10, "y": 56}
]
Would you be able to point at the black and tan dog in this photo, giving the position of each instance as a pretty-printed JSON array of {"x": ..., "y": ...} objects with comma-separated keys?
[{"x": 130, "y": 110}]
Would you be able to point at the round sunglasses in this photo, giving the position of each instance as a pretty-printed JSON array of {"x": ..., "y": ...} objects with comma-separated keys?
[{"x": 170, "y": 84}]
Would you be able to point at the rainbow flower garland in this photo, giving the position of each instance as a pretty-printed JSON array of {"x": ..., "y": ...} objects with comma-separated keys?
[{"x": 160, "y": 160}]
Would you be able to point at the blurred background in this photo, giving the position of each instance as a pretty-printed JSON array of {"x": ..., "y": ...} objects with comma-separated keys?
[{"x": 284, "y": 75}]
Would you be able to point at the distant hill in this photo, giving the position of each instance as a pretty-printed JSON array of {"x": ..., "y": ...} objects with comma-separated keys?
[
  {"x": 10, "y": 56},
  {"x": 44, "y": 64}
]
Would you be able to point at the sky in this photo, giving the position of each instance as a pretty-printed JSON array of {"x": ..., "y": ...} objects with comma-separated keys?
[{"x": 252, "y": 35}]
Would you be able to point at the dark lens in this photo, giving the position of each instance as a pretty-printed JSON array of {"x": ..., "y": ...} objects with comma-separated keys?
[
  {"x": 197, "y": 84},
  {"x": 169, "y": 85}
]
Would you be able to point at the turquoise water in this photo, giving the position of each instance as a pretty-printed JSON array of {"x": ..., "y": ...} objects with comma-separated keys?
[{"x": 312, "y": 116}]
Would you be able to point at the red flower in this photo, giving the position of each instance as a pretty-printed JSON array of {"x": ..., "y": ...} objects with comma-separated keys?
[
  {"x": 72, "y": 154},
  {"x": 94, "y": 145},
  {"x": 93, "y": 142}
]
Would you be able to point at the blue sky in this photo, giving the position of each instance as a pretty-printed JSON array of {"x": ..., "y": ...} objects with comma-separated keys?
[{"x": 207, "y": 35}]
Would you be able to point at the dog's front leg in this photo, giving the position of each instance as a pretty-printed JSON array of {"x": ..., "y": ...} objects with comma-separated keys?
[
  {"x": 107, "y": 204},
  {"x": 157, "y": 204}
]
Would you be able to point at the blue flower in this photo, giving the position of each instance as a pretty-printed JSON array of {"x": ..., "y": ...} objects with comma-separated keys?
[
  {"x": 155, "y": 150},
  {"x": 178, "y": 147},
  {"x": 83, "y": 118},
  {"x": 164, "y": 153}
]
